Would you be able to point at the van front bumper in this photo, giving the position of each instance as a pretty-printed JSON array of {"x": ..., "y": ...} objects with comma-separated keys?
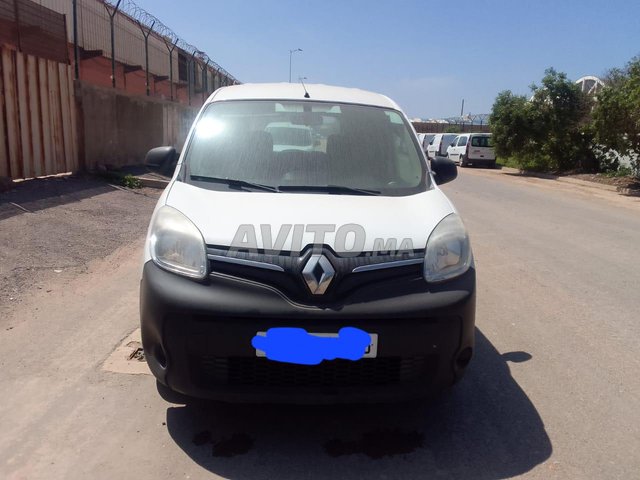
[{"x": 197, "y": 338}]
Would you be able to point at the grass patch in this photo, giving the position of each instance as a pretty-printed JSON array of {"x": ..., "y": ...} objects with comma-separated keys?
[
  {"x": 622, "y": 171},
  {"x": 508, "y": 162},
  {"x": 130, "y": 181}
]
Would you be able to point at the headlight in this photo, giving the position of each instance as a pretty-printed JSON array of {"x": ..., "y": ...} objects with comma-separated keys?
[
  {"x": 177, "y": 245},
  {"x": 448, "y": 251}
]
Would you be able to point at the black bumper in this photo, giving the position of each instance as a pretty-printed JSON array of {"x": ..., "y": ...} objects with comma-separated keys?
[
  {"x": 481, "y": 161},
  {"x": 197, "y": 338}
]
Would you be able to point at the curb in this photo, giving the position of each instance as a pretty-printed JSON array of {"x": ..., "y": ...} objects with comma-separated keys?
[
  {"x": 573, "y": 181},
  {"x": 153, "y": 182}
]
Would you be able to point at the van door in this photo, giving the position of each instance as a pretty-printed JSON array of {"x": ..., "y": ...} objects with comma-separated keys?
[
  {"x": 427, "y": 140},
  {"x": 451, "y": 149},
  {"x": 481, "y": 148},
  {"x": 434, "y": 146},
  {"x": 447, "y": 140}
]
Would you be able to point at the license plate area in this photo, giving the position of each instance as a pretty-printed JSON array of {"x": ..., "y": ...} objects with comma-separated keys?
[{"x": 370, "y": 352}]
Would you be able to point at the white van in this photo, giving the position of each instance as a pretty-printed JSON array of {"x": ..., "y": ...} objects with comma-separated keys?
[
  {"x": 472, "y": 149},
  {"x": 287, "y": 136},
  {"x": 438, "y": 145},
  {"x": 424, "y": 139},
  {"x": 338, "y": 273}
]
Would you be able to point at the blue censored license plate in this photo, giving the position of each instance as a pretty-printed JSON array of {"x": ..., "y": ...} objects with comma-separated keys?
[{"x": 370, "y": 352}]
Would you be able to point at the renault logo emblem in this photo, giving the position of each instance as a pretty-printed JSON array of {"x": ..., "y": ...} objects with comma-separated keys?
[{"x": 318, "y": 273}]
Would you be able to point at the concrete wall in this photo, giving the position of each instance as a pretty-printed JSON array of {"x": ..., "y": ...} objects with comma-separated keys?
[{"x": 117, "y": 128}]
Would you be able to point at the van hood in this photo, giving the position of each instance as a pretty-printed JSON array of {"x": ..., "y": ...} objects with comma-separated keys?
[{"x": 292, "y": 221}]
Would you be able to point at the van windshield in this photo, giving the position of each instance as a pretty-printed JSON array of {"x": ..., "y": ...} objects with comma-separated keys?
[{"x": 305, "y": 147}]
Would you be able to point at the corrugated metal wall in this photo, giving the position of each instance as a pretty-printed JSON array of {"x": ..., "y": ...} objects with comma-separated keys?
[{"x": 38, "y": 126}]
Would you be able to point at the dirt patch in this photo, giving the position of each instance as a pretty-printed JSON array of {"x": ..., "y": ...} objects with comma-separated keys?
[
  {"x": 620, "y": 182},
  {"x": 50, "y": 229}
]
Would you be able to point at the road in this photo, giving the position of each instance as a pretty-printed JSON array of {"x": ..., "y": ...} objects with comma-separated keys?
[{"x": 553, "y": 391}]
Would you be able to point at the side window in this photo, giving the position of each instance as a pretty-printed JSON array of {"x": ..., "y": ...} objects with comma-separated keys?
[
  {"x": 483, "y": 141},
  {"x": 462, "y": 141}
]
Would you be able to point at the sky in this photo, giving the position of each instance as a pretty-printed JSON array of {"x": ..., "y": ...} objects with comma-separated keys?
[{"x": 425, "y": 55}]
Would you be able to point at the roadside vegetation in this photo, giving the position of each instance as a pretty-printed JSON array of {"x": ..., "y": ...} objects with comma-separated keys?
[{"x": 560, "y": 129}]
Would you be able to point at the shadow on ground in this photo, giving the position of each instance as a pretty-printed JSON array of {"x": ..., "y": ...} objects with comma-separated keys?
[
  {"x": 541, "y": 176},
  {"x": 483, "y": 167},
  {"x": 485, "y": 428},
  {"x": 41, "y": 193}
]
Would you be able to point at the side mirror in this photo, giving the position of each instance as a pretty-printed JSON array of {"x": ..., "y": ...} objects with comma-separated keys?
[
  {"x": 452, "y": 144},
  {"x": 162, "y": 159},
  {"x": 444, "y": 170}
]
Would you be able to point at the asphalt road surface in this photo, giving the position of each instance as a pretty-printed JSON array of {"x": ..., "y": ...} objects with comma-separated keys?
[{"x": 553, "y": 391}]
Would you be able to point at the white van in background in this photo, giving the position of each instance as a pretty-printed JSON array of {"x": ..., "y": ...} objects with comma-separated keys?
[
  {"x": 438, "y": 145},
  {"x": 472, "y": 149},
  {"x": 425, "y": 139}
]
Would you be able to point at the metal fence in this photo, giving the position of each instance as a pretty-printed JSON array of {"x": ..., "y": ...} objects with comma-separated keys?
[
  {"x": 140, "y": 48},
  {"x": 477, "y": 123},
  {"x": 34, "y": 29}
]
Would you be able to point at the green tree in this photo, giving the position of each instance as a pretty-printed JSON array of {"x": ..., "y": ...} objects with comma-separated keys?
[
  {"x": 616, "y": 118},
  {"x": 565, "y": 115},
  {"x": 550, "y": 131},
  {"x": 512, "y": 125}
]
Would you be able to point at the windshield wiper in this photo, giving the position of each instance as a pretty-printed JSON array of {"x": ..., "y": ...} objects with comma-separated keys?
[
  {"x": 327, "y": 189},
  {"x": 234, "y": 183}
]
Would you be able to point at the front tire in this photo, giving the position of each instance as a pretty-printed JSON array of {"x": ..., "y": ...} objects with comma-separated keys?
[{"x": 463, "y": 161}]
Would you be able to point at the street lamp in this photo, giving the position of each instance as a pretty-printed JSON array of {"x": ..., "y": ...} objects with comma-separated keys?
[{"x": 291, "y": 52}]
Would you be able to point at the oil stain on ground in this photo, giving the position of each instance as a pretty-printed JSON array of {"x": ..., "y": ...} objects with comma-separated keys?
[
  {"x": 236, "y": 444},
  {"x": 377, "y": 444}
]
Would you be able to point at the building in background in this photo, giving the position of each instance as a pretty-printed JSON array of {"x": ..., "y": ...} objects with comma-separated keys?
[{"x": 590, "y": 84}]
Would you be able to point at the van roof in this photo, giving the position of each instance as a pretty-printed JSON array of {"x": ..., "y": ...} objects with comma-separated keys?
[{"x": 295, "y": 91}]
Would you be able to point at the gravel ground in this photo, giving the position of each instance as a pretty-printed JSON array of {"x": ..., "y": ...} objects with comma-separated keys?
[{"x": 51, "y": 229}]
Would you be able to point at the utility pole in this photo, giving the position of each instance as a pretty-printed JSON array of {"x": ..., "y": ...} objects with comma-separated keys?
[{"x": 291, "y": 52}]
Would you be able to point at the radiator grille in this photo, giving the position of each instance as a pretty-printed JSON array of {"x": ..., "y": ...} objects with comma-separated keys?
[{"x": 259, "y": 371}]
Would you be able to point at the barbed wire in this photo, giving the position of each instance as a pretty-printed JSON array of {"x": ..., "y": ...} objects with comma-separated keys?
[
  {"x": 151, "y": 23},
  {"x": 477, "y": 119}
]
